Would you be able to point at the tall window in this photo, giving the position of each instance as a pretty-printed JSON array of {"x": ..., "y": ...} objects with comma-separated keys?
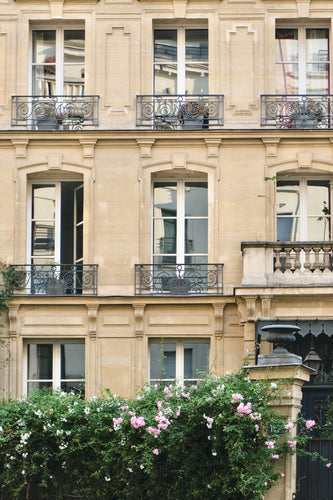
[
  {"x": 178, "y": 361},
  {"x": 180, "y": 222},
  {"x": 56, "y": 365},
  {"x": 181, "y": 61},
  {"x": 303, "y": 210},
  {"x": 302, "y": 60},
  {"x": 56, "y": 223},
  {"x": 58, "y": 62}
]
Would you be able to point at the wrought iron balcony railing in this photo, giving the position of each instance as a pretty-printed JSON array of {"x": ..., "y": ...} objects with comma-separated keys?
[
  {"x": 179, "y": 112},
  {"x": 297, "y": 111},
  {"x": 56, "y": 112},
  {"x": 179, "y": 279},
  {"x": 57, "y": 279}
]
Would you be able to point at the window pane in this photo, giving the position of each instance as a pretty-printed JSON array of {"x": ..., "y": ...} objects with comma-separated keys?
[
  {"x": 43, "y": 202},
  {"x": 79, "y": 205},
  {"x": 197, "y": 259},
  {"x": 286, "y": 46},
  {"x": 74, "y": 81},
  {"x": 319, "y": 228},
  {"x": 162, "y": 361},
  {"x": 166, "y": 259},
  {"x": 165, "y": 199},
  {"x": 44, "y": 62},
  {"x": 196, "y": 236},
  {"x": 40, "y": 361},
  {"x": 196, "y": 199},
  {"x": 317, "y": 57},
  {"x": 44, "y": 43},
  {"x": 44, "y": 83},
  {"x": 43, "y": 241},
  {"x": 76, "y": 387},
  {"x": 165, "y": 45},
  {"x": 288, "y": 206},
  {"x": 287, "y": 79},
  {"x": 79, "y": 243},
  {"x": 196, "y": 359},
  {"x": 288, "y": 229},
  {"x": 165, "y": 80},
  {"x": 288, "y": 198},
  {"x": 196, "y": 79},
  {"x": 38, "y": 385},
  {"x": 74, "y": 46},
  {"x": 165, "y": 235},
  {"x": 317, "y": 78},
  {"x": 318, "y": 198},
  {"x": 196, "y": 42},
  {"x": 72, "y": 361}
]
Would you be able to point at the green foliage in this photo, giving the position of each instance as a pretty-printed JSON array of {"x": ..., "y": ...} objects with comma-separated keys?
[
  {"x": 277, "y": 177},
  {"x": 8, "y": 280},
  {"x": 219, "y": 439}
]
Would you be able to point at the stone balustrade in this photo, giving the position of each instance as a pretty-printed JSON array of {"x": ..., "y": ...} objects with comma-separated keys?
[{"x": 287, "y": 263}]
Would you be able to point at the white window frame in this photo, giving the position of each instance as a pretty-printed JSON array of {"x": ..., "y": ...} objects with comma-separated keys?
[
  {"x": 302, "y": 71},
  {"x": 181, "y": 59},
  {"x": 179, "y": 379},
  {"x": 77, "y": 225},
  {"x": 181, "y": 219},
  {"x": 56, "y": 362},
  {"x": 303, "y": 214},
  {"x": 59, "y": 90},
  {"x": 57, "y": 220}
]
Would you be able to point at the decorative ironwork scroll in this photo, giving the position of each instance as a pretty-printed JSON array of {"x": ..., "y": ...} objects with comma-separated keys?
[
  {"x": 55, "y": 112},
  {"x": 172, "y": 112},
  {"x": 57, "y": 279},
  {"x": 178, "y": 279},
  {"x": 297, "y": 111}
]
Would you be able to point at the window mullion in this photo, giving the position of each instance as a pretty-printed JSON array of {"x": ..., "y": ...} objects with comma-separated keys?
[
  {"x": 57, "y": 235},
  {"x": 303, "y": 209},
  {"x": 59, "y": 61},
  {"x": 302, "y": 59},
  {"x": 181, "y": 60},
  {"x": 180, "y": 361},
  {"x": 56, "y": 366},
  {"x": 330, "y": 195},
  {"x": 180, "y": 259}
]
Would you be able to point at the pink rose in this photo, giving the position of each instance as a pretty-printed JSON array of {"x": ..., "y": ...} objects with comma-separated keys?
[{"x": 310, "y": 423}]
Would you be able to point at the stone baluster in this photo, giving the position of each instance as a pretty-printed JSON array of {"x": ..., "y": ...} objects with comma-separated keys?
[
  {"x": 307, "y": 263},
  {"x": 288, "y": 264},
  {"x": 277, "y": 266},
  {"x": 327, "y": 255},
  {"x": 297, "y": 264},
  {"x": 316, "y": 263}
]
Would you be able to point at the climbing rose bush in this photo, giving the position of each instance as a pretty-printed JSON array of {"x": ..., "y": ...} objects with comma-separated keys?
[{"x": 217, "y": 439}]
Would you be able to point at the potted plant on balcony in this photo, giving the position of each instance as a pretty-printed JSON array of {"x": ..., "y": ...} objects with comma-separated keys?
[{"x": 193, "y": 115}]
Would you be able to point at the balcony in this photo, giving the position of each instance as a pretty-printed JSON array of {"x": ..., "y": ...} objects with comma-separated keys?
[
  {"x": 180, "y": 112},
  {"x": 287, "y": 263},
  {"x": 55, "y": 112},
  {"x": 297, "y": 111},
  {"x": 57, "y": 279},
  {"x": 179, "y": 279}
]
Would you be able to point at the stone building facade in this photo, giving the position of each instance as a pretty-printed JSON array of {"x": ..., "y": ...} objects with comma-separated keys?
[{"x": 166, "y": 174}]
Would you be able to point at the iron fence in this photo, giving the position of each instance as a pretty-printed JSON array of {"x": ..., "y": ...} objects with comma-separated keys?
[
  {"x": 55, "y": 279},
  {"x": 55, "y": 112},
  {"x": 178, "y": 279},
  {"x": 297, "y": 111},
  {"x": 173, "y": 112}
]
